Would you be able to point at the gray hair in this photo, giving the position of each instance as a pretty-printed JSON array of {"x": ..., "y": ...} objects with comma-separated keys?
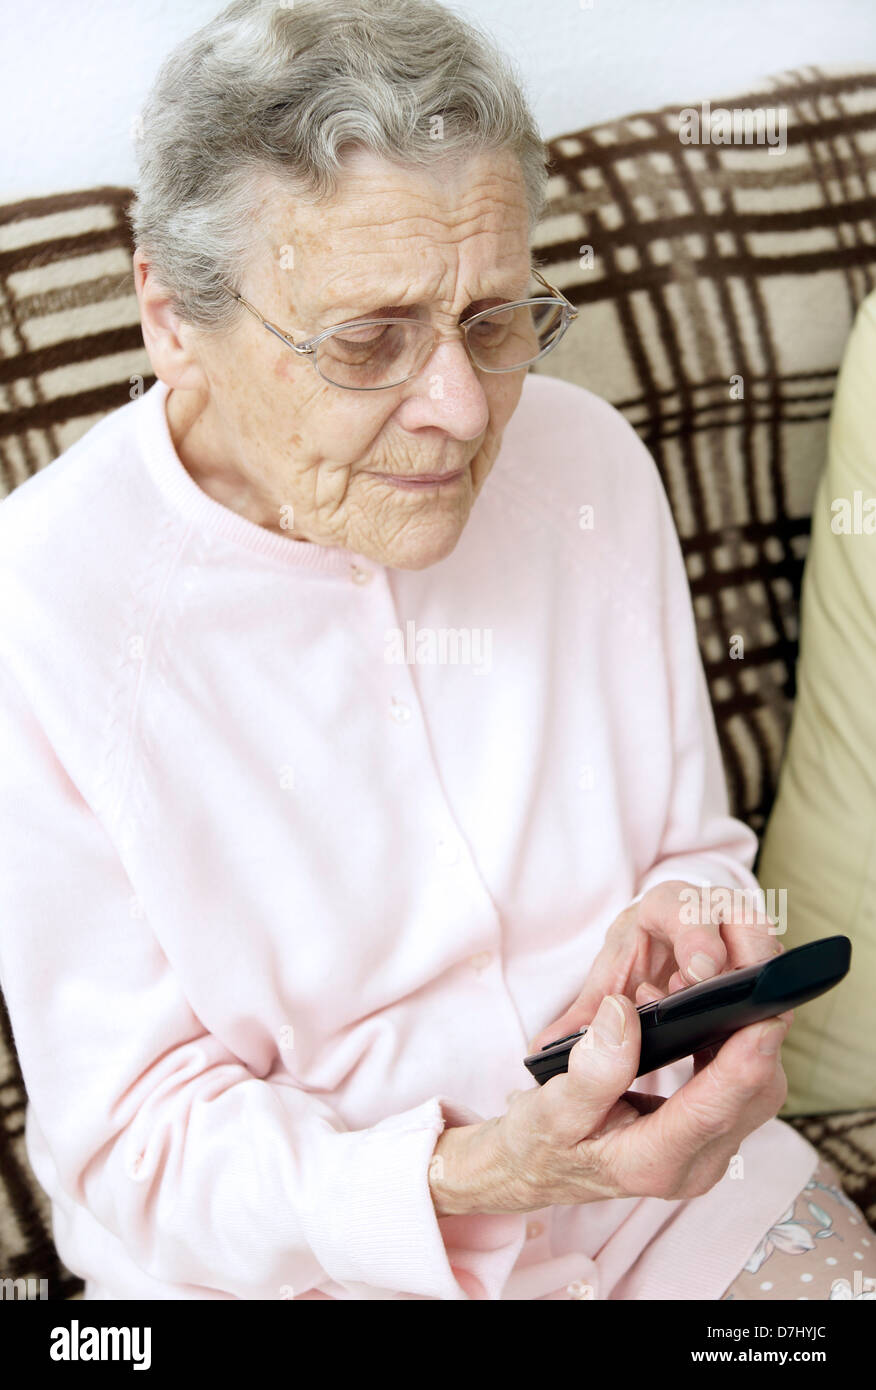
[{"x": 289, "y": 90}]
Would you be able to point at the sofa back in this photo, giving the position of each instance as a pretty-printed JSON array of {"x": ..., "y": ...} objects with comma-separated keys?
[{"x": 717, "y": 285}]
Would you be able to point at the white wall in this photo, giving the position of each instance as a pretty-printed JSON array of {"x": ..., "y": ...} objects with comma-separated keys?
[{"x": 72, "y": 75}]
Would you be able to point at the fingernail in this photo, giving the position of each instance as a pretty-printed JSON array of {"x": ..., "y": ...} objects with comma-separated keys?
[
  {"x": 702, "y": 967},
  {"x": 610, "y": 1023},
  {"x": 771, "y": 1038}
]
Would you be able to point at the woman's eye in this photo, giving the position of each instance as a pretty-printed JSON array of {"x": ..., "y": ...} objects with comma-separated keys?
[
  {"x": 491, "y": 330},
  {"x": 361, "y": 337}
]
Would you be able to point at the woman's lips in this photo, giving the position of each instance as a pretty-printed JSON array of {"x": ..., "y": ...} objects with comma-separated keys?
[{"x": 417, "y": 481}]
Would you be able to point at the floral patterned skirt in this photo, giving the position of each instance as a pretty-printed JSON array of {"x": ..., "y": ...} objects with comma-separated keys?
[{"x": 821, "y": 1248}]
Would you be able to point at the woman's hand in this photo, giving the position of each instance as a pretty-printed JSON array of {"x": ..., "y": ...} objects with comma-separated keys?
[
  {"x": 652, "y": 949},
  {"x": 583, "y": 1136}
]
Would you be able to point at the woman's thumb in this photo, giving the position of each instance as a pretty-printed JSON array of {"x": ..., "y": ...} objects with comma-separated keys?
[{"x": 603, "y": 1065}]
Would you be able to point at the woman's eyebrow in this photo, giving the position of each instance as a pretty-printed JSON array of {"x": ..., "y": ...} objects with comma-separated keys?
[{"x": 378, "y": 303}]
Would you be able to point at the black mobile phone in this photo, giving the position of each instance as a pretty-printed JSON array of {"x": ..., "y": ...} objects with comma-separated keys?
[{"x": 703, "y": 1015}]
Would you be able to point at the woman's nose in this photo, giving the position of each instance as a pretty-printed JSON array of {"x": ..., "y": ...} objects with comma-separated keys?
[{"x": 447, "y": 393}]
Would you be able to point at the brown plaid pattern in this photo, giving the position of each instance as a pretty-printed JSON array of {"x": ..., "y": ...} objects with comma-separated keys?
[
  {"x": 709, "y": 262},
  {"x": 712, "y": 262},
  {"x": 70, "y": 336}
]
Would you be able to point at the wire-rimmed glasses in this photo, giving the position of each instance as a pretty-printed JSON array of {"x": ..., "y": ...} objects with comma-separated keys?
[{"x": 376, "y": 354}]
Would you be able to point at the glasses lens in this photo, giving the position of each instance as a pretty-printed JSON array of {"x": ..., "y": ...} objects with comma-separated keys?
[
  {"x": 504, "y": 339},
  {"x": 380, "y": 353}
]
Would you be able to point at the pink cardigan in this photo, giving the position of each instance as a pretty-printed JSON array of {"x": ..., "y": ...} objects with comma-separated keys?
[{"x": 297, "y": 853}]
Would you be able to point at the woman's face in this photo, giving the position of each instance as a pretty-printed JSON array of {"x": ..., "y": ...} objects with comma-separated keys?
[{"x": 259, "y": 429}]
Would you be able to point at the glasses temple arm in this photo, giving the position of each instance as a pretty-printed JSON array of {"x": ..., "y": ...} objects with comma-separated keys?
[
  {"x": 271, "y": 327},
  {"x": 559, "y": 293}
]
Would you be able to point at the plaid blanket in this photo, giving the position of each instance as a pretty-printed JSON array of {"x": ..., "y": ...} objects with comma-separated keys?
[
  {"x": 723, "y": 286},
  {"x": 718, "y": 284}
]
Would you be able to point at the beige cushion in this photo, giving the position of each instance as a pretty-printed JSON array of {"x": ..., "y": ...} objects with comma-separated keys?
[{"x": 820, "y": 842}]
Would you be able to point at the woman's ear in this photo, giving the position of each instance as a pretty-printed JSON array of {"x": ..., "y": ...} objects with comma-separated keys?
[{"x": 170, "y": 343}]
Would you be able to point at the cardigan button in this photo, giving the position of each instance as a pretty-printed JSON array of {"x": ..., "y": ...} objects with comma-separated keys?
[
  {"x": 399, "y": 711},
  {"x": 360, "y": 575},
  {"x": 579, "y": 1290},
  {"x": 481, "y": 960},
  {"x": 534, "y": 1229}
]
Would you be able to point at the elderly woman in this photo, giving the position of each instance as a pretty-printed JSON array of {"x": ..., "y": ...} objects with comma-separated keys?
[{"x": 345, "y": 765}]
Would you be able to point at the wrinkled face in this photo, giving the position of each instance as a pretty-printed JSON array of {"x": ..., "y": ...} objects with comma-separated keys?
[{"x": 259, "y": 429}]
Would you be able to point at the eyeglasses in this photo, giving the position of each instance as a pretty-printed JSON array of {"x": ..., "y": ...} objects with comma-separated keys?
[{"x": 375, "y": 354}]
